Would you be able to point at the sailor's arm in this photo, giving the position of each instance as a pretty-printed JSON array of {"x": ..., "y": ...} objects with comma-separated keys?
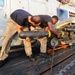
[{"x": 52, "y": 30}]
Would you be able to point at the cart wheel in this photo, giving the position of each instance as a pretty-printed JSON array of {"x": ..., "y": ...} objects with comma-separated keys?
[{"x": 52, "y": 41}]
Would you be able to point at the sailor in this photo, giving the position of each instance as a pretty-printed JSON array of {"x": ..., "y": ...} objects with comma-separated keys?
[
  {"x": 19, "y": 20},
  {"x": 46, "y": 24}
]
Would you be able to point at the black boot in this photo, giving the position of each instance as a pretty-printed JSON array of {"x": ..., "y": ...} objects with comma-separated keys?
[
  {"x": 31, "y": 58},
  {"x": 2, "y": 62}
]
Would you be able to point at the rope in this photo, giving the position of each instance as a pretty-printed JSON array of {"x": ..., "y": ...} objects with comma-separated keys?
[{"x": 52, "y": 60}]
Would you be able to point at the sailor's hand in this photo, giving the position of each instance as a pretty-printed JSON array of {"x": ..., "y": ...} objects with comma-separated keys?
[{"x": 27, "y": 39}]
